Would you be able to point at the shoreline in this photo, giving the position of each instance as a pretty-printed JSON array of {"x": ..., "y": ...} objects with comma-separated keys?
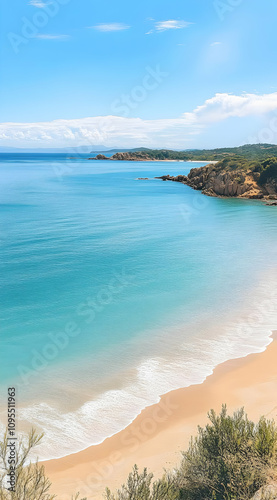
[{"x": 156, "y": 436}]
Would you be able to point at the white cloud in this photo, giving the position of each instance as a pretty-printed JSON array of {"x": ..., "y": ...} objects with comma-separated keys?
[
  {"x": 95, "y": 130},
  {"x": 223, "y": 106},
  {"x": 51, "y": 37},
  {"x": 111, "y": 27},
  {"x": 136, "y": 131},
  {"x": 38, "y": 3},
  {"x": 171, "y": 24},
  {"x": 215, "y": 43}
]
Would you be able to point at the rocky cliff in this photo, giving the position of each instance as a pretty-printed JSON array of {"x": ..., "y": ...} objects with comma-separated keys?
[{"x": 231, "y": 180}]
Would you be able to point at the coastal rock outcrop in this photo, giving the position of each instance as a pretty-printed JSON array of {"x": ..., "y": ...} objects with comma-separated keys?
[
  {"x": 215, "y": 181},
  {"x": 134, "y": 156},
  {"x": 100, "y": 157},
  {"x": 224, "y": 180}
]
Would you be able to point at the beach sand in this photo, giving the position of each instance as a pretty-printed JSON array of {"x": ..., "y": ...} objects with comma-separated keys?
[{"x": 157, "y": 436}]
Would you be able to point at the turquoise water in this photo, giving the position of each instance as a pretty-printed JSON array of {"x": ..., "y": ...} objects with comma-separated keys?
[{"x": 117, "y": 290}]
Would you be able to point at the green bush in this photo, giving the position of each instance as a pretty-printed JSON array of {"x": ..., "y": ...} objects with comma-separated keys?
[{"x": 230, "y": 459}]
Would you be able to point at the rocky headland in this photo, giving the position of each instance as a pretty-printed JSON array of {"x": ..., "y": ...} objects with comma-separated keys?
[
  {"x": 128, "y": 156},
  {"x": 233, "y": 178}
]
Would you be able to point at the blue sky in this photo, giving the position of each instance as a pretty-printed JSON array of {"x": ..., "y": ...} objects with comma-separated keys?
[{"x": 148, "y": 73}]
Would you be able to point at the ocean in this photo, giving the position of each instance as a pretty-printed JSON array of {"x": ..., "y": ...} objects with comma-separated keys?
[{"x": 115, "y": 290}]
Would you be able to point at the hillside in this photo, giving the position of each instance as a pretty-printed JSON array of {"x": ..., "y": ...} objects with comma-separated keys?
[{"x": 248, "y": 151}]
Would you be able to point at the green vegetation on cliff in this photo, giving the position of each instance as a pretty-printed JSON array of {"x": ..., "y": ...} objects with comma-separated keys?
[{"x": 266, "y": 167}]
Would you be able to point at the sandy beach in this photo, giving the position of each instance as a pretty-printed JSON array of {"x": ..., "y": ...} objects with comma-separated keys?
[{"x": 157, "y": 436}]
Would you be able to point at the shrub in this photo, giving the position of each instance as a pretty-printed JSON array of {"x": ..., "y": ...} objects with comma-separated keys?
[
  {"x": 269, "y": 172},
  {"x": 31, "y": 483},
  {"x": 230, "y": 458},
  {"x": 140, "y": 487}
]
